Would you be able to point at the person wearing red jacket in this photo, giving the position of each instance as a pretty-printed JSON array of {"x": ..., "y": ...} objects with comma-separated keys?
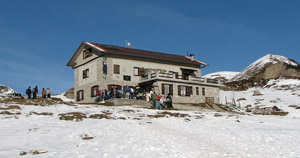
[{"x": 158, "y": 106}]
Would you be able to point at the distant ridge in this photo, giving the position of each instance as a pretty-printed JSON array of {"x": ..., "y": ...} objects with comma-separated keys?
[{"x": 270, "y": 67}]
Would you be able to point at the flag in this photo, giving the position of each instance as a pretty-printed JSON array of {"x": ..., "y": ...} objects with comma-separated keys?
[{"x": 128, "y": 43}]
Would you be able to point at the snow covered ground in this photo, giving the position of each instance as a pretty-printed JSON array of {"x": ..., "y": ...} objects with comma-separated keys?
[
  {"x": 227, "y": 75},
  {"x": 126, "y": 132},
  {"x": 136, "y": 132},
  {"x": 284, "y": 94}
]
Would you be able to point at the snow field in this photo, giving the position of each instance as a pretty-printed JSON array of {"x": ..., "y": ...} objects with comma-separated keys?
[{"x": 197, "y": 135}]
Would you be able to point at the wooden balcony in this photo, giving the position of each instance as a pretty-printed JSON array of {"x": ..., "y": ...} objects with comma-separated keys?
[{"x": 172, "y": 77}]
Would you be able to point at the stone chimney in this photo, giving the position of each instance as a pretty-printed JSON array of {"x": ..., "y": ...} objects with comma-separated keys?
[{"x": 192, "y": 57}]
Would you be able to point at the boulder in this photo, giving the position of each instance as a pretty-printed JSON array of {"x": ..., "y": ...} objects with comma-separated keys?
[{"x": 70, "y": 93}]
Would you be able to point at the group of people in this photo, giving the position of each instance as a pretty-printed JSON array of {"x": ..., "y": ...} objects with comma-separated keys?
[
  {"x": 102, "y": 95},
  {"x": 34, "y": 92},
  {"x": 161, "y": 101}
]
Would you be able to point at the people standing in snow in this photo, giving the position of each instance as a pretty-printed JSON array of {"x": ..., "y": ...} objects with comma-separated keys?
[
  {"x": 154, "y": 99},
  {"x": 158, "y": 102},
  {"x": 28, "y": 92},
  {"x": 48, "y": 93},
  {"x": 161, "y": 100},
  {"x": 131, "y": 93},
  {"x": 44, "y": 93},
  {"x": 34, "y": 92},
  {"x": 127, "y": 92},
  {"x": 169, "y": 101}
]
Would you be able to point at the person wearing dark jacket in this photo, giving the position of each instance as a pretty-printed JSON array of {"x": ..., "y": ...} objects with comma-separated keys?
[
  {"x": 28, "y": 92},
  {"x": 34, "y": 92}
]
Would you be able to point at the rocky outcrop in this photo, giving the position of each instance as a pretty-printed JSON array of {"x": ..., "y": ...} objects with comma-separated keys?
[
  {"x": 266, "y": 68},
  {"x": 70, "y": 93}
]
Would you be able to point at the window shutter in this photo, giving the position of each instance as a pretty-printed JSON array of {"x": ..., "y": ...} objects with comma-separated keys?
[
  {"x": 197, "y": 90},
  {"x": 188, "y": 91},
  {"x": 141, "y": 71},
  {"x": 179, "y": 90},
  {"x": 191, "y": 89},
  {"x": 92, "y": 91},
  {"x": 78, "y": 95},
  {"x": 82, "y": 95},
  {"x": 163, "y": 88},
  {"x": 116, "y": 69},
  {"x": 171, "y": 89}
]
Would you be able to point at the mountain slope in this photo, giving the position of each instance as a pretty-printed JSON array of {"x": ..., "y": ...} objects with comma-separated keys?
[
  {"x": 270, "y": 67},
  {"x": 227, "y": 75}
]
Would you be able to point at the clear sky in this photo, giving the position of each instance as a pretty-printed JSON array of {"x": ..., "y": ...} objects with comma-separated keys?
[{"x": 38, "y": 37}]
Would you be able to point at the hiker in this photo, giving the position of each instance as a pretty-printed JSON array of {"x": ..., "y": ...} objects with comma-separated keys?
[
  {"x": 148, "y": 96},
  {"x": 127, "y": 92},
  {"x": 97, "y": 96},
  {"x": 34, "y": 92},
  {"x": 131, "y": 93},
  {"x": 162, "y": 105},
  {"x": 158, "y": 102},
  {"x": 154, "y": 99},
  {"x": 105, "y": 94},
  {"x": 28, "y": 92},
  {"x": 48, "y": 93},
  {"x": 169, "y": 98},
  {"x": 43, "y": 93}
]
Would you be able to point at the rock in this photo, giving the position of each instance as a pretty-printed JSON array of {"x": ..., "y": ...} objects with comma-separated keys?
[
  {"x": 256, "y": 93},
  {"x": 70, "y": 93}
]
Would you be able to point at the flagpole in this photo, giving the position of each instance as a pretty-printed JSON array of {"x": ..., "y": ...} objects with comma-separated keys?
[{"x": 126, "y": 43}]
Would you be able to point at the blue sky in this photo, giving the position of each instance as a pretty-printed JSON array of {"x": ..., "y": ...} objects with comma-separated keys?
[{"x": 37, "y": 38}]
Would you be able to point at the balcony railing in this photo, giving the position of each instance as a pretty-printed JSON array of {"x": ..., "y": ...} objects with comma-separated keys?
[{"x": 178, "y": 77}]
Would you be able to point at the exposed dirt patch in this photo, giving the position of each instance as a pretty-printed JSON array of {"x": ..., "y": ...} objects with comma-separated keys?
[
  {"x": 9, "y": 113},
  {"x": 218, "y": 115},
  {"x": 33, "y": 152},
  {"x": 121, "y": 118},
  {"x": 166, "y": 113},
  {"x": 86, "y": 137},
  {"x": 77, "y": 116},
  {"x": 10, "y": 107},
  {"x": 42, "y": 113},
  {"x": 174, "y": 114},
  {"x": 156, "y": 116},
  {"x": 198, "y": 117},
  {"x": 187, "y": 120},
  {"x": 39, "y": 101},
  {"x": 129, "y": 111},
  {"x": 294, "y": 106},
  {"x": 101, "y": 116}
]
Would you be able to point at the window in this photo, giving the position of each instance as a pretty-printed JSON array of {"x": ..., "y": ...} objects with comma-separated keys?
[
  {"x": 182, "y": 90},
  {"x": 167, "y": 89},
  {"x": 87, "y": 53},
  {"x": 94, "y": 90},
  {"x": 197, "y": 90},
  {"x": 203, "y": 91},
  {"x": 116, "y": 69},
  {"x": 126, "y": 78},
  {"x": 85, "y": 74},
  {"x": 104, "y": 68},
  {"x": 138, "y": 71},
  {"x": 80, "y": 95},
  {"x": 135, "y": 71},
  {"x": 185, "y": 90}
]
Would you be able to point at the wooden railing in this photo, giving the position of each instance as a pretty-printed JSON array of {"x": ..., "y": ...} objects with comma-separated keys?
[{"x": 178, "y": 77}]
